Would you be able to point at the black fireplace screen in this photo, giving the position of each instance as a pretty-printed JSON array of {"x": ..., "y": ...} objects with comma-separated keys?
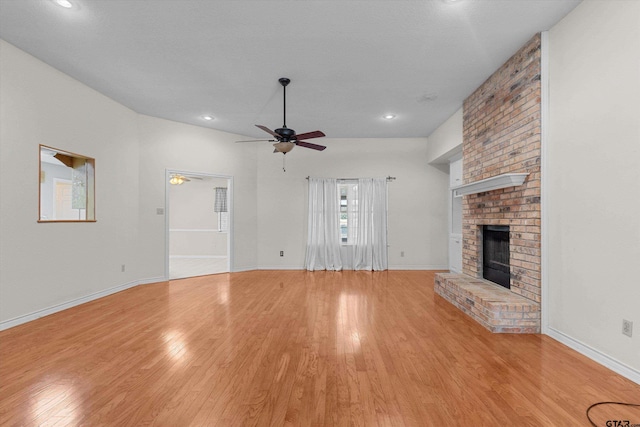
[{"x": 495, "y": 254}]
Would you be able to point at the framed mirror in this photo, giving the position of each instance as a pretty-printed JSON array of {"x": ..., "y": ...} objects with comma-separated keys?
[{"x": 67, "y": 186}]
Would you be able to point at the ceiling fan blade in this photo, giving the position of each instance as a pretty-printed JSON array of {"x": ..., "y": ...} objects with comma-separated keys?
[
  {"x": 309, "y": 135},
  {"x": 258, "y": 140},
  {"x": 267, "y": 130},
  {"x": 310, "y": 145}
]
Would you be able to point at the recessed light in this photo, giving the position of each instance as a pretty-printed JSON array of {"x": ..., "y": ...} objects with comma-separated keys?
[
  {"x": 389, "y": 116},
  {"x": 207, "y": 118},
  {"x": 64, "y": 3}
]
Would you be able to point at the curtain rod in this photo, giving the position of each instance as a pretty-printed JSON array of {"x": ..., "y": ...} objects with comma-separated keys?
[{"x": 389, "y": 178}]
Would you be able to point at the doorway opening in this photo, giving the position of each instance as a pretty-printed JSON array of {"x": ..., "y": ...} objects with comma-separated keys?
[{"x": 199, "y": 230}]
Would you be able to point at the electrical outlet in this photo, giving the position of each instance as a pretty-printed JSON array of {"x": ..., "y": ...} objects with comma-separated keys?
[
  {"x": 627, "y": 327},
  {"x": 402, "y": 253},
  {"x": 123, "y": 268},
  {"x": 281, "y": 253},
  {"x": 159, "y": 211}
]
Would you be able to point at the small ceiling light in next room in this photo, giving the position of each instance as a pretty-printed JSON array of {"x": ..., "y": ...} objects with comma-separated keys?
[
  {"x": 207, "y": 118},
  {"x": 389, "y": 116},
  {"x": 64, "y": 3}
]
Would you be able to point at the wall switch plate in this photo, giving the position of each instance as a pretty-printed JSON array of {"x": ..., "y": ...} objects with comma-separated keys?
[
  {"x": 627, "y": 327},
  {"x": 159, "y": 211},
  {"x": 402, "y": 253},
  {"x": 281, "y": 253},
  {"x": 123, "y": 268}
]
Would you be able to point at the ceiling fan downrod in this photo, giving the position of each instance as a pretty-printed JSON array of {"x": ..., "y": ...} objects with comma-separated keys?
[{"x": 284, "y": 82}]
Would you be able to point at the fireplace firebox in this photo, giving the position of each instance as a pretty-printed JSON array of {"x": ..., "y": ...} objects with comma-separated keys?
[{"x": 495, "y": 254}]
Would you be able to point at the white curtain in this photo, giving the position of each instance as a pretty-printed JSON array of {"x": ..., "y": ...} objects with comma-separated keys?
[
  {"x": 371, "y": 237},
  {"x": 366, "y": 248},
  {"x": 323, "y": 237}
]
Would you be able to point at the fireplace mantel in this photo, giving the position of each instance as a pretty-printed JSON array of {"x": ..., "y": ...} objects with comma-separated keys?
[{"x": 494, "y": 183}]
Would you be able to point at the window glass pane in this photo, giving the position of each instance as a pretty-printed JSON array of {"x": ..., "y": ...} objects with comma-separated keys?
[
  {"x": 348, "y": 212},
  {"x": 223, "y": 222}
]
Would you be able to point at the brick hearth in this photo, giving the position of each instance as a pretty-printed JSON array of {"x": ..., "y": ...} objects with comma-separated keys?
[{"x": 494, "y": 307}]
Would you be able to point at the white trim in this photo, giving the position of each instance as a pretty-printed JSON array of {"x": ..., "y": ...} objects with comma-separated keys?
[
  {"x": 194, "y": 230},
  {"x": 166, "y": 222},
  {"x": 544, "y": 182},
  {"x": 10, "y": 323},
  {"x": 596, "y": 355},
  {"x": 230, "y": 232},
  {"x": 197, "y": 256},
  {"x": 582, "y": 348},
  {"x": 243, "y": 269},
  {"x": 420, "y": 267},
  {"x": 497, "y": 182},
  {"x": 391, "y": 267}
]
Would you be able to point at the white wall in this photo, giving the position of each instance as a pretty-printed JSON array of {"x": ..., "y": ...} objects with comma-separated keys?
[
  {"x": 171, "y": 145},
  {"x": 417, "y": 198},
  {"x": 193, "y": 224},
  {"x": 45, "y": 267},
  {"x": 39, "y": 105},
  {"x": 593, "y": 175},
  {"x": 446, "y": 140},
  {"x": 45, "y": 264}
]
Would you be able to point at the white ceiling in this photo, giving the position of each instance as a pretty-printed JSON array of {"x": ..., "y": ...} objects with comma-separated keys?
[{"x": 350, "y": 61}]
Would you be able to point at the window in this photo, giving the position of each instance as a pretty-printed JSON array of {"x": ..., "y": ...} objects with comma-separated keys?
[
  {"x": 67, "y": 186},
  {"x": 221, "y": 207},
  {"x": 348, "y": 212},
  {"x": 223, "y": 222},
  {"x": 347, "y": 225}
]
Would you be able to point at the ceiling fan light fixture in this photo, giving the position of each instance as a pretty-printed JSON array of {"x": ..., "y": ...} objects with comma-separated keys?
[
  {"x": 176, "y": 179},
  {"x": 284, "y": 147}
]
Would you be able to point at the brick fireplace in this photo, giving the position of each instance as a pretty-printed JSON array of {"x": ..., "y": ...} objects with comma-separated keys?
[{"x": 501, "y": 134}]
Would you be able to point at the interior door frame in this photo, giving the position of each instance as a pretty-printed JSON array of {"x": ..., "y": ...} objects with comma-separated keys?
[{"x": 167, "y": 186}]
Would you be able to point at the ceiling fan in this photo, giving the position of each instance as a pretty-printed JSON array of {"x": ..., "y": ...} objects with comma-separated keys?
[
  {"x": 286, "y": 138},
  {"x": 179, "y": 179}
]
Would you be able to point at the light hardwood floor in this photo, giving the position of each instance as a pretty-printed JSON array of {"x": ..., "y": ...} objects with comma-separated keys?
[{"x": 297, "y": 348}]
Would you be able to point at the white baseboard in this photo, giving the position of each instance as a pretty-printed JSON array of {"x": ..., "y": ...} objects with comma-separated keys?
[
  {"x": 237, "y": 269},
  {"x": 6, "y": 324},
  {"x": 197, "y": 256},
  {"x": 391, "y": 267},
  {"x": 152, "y": 280},
  {"x": 596, "y": 355},
  {"x": 419, "y": 267}
]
